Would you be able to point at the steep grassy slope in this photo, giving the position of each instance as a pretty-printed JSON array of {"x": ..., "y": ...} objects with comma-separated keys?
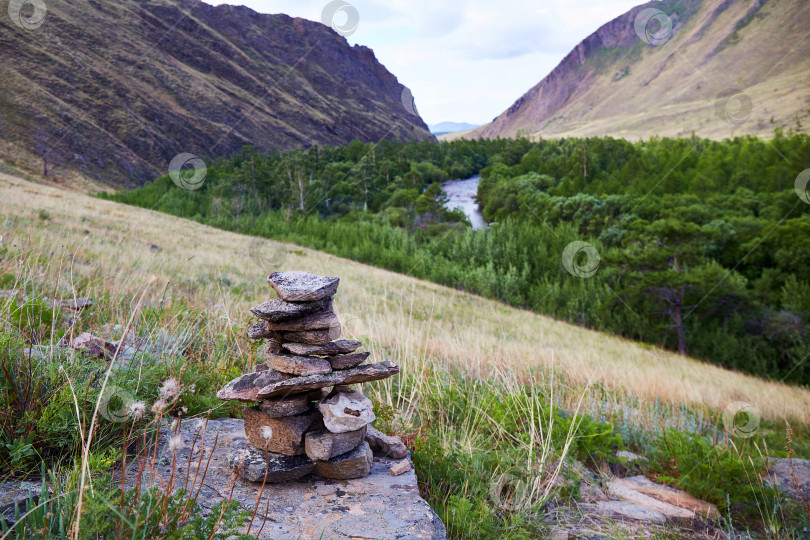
[
  {"x": 104, "y": 248},
  {"x": 729, "y": 68},
  {"x": 115, "y": 90}
]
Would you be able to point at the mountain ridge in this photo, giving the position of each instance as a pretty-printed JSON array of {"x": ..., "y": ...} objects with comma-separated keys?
[
  {"x": 614, "y": 83},
  {"x": 114, "y": 91}
]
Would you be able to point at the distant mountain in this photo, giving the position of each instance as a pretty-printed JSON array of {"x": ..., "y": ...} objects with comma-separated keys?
[
  {"x": 717, "y": 68},
  {"x": 115, "y": 89},
  {"x": 451, "y": 127}
]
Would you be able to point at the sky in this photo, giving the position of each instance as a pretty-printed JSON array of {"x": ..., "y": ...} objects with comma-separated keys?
[{"x": 464, "y": 60}]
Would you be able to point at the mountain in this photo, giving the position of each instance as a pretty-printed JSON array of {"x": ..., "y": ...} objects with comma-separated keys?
[
  {"x": 114, "y": 90},
  {"x": 451, "y": 127},
  {"x": 718, "y": 68}
]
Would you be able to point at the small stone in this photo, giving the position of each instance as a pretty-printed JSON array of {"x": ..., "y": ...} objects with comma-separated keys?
[
  {"x": 246, "y": 387},
  {"x": 354, "y": 464},
  {"x": 276, "y": 309},
  {"x": 347, "y": 361},
  {"x": 401, "y": 467},
  {"x": 286, "y": 434},
  {"x": 298, "y": 365},
  {"x": 260, "y": 330},
  {"x": 286, "y": 406},
  {"x": 78, "y": 304},
  {"x": 345, "y": 346},
  {"x": 346, "y": 410},
  {"x": 385, "y": 445},
  {"x": 93, "y": 346},
  {"x": 255, "y": 465},
  {"x": 312, "y": 337},
  {"x": 325, "y": 445},
  {"x": 303, "y": 286}
]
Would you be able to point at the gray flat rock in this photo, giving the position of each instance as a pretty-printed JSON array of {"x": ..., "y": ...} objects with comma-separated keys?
[
  {"x": 781, "y": 473},
  {"x": 297, "y": 385},
  {"x": 302, "y": 286},
  {"x": 378, "y": 506},
  {"x": 286, "y": 406},
  {"x": 246, "y": 388},
  {"x": 344, "y": 346},
  {"x": 298, "y": 365},
  {"x": 276, "y": 309},
  {"x": 348, "y": 466},
  {"x": 256, "y": 466},
  {"x": 347, "y": 361},
  {"x": 324, "y": 445},
  {"x": 625, "y": 510},
  {"x": 312, "y": 337},
  {"x": 320, "y": 320}
]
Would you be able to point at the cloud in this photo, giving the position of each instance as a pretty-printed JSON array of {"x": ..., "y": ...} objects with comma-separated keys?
[{"x": 465, "y": 60}]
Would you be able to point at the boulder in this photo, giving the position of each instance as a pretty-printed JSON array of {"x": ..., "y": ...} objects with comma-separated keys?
[
  {"x": 303, "y": 286},
  {"x": 276, "y": 309},
  {"x": 346, "y": 410},
  {"x": 347, "y": 361},
  {"x": 344, "y": 346},
  {"x": 324, "y": 445},
  {"x": 385, "y": 445},
  {"x": 783, "y": 472},
  {"x": 278, "y": 435},
  {"x": 252, "y": 387},
  {"x": 354, "y": 464},
  {"x": 298, "y": 365},
  {"x": 257, "y": 466}
]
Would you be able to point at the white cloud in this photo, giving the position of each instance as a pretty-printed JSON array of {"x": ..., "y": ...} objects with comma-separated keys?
[{"x": 465, "y": 60}]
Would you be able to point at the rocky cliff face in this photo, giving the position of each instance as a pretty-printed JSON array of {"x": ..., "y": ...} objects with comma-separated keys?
[
  {"x": 690, "y": 71},
  {"x": 114, "y": 90}
]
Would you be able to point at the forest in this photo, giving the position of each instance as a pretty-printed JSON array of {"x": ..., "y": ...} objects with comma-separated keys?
[{"x": 694, "y": 245}]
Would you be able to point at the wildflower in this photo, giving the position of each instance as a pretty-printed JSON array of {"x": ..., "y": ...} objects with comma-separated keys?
[
  {"x": 137, "y": 409},
  {"x": 159, "y": 406},
  {"x": 175, "y": 443},
  {"x": 170, "y": 389}
]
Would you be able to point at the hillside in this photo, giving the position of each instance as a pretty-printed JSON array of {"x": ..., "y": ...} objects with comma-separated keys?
[
  {"x": 726, "y": 68},
  {"x": 113, "y": 91},
  {"x": 406, "y": 319}
]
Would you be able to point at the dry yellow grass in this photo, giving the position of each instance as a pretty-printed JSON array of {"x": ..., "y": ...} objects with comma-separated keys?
[{"x": 419, "y": 324}]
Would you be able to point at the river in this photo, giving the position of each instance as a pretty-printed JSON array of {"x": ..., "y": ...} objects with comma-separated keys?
[{"x": 461, "y": 194}]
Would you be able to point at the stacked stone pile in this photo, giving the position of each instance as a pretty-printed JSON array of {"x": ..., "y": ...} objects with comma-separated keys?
[{"x": 300, "y": 426}]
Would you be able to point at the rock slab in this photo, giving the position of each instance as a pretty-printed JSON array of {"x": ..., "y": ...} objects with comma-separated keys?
[
  {"x": 276, "y": 309},
  {"x": 351, "y": 465},
  {"x": 378, "y": 506},
  {"x": 256, "y": 466},
  {"x": 344, "y": 346},
  {"x": 325, "y": 445}
]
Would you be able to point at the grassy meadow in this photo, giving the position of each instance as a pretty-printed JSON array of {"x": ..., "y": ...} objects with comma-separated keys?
[{"x": 485, "y": 389}]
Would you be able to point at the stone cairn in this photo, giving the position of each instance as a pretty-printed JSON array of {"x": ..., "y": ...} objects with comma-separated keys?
[{"x": 299, "y": 426}]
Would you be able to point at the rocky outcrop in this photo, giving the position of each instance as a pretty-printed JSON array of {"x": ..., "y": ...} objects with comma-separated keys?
[{"x": 116, "y": 90}]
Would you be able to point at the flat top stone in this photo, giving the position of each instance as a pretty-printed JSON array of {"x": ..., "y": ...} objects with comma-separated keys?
[
  {"x": 297, "y": 385},
  {"x": 378, "y": 506},
  {"x": 302, "y": 286}
]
